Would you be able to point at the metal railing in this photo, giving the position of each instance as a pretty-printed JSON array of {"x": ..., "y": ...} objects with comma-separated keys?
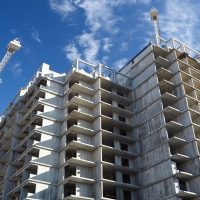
[
  {"x": 173, "y": 43},
  {"x": 103, "y": 71}
]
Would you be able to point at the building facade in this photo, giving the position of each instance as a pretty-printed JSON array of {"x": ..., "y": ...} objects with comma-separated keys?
[{"x": 98, "y": 134}]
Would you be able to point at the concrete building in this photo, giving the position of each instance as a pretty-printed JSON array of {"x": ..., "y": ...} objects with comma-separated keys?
[{"x": 98, "y": 134}]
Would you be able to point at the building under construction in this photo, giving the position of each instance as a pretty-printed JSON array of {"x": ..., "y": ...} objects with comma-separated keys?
[{"x": 100, "y": 134}]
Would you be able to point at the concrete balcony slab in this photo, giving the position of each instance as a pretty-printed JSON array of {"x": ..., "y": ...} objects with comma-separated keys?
[
  {"x": 80, "y": 145},
  {"x": 164, "y": 73},
  {"x": 183, "y": 175},
  {"x": 187, "y": 194},
  {"x": 116, "y": 109},
  {"x": 74, "y": 197},
  {"x": 79, "y": 161},
  {"x": 119, "y": 184},
  {"x": 171, "y": 112},
  {"x": 81, "y": 101},
  {"x": 79, "y": 179},
  {"x": 81, "y": 115},
  {"x": 160, "y": 61},
  {"x": 80, "y": 129},
  {"x": 169, "y": 98},
  {"x": 83, "y": 89},
  {"x": 166, "y": 86},
  {"x": 176, "y": 141},
  {"x": 173, "y": 126},
  {"x": 180, "y": 158}
]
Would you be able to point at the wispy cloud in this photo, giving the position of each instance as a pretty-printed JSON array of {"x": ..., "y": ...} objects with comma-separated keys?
[
  {"x": 100, "y": 17},
  {"x": 71, "y": 52},
  {"x": 107, "y": 44},
  {"x": 120, "y": 63},
  {"x": 90, "y": 46},
  {"x": 62, "y": 7},
  {"x": 180, "y": 20},
  {"x": 16, "y": 70},
  {"x": 35, "y": 36}
]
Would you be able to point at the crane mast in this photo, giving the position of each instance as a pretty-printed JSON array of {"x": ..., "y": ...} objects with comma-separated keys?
[
  {"x": 154, "y": 19},
  {"x": 12, "y": 47}
]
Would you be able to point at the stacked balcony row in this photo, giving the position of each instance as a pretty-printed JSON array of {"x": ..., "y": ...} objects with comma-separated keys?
[
  {"x": 98, "y": 140},
  {"x": 175, "y": 127}
]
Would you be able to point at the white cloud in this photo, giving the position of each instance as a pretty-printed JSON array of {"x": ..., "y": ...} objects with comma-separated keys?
[
  {"x": 100, "y": 17},
  {"x": 107, "y": 44},
  {"x": 71, "y": 52},
  {"x": 90, "y": 47},
  {"x": 62, "y": 7},
  {"x": 120, "y": 63},
  {"x": 180, "y": 21},
  {"x": 35, "y": 36},
  {"x": 16, "y": 70},
  {"x": 123, "y": 2}
]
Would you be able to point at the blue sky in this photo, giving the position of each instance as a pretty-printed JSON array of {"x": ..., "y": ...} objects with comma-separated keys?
[{"x": 105, "y": 31}]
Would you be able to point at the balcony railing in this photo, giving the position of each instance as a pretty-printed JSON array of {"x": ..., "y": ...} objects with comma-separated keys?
[
  {"x": 102, "y": 71},
  {"x": 173, "y": 43}
]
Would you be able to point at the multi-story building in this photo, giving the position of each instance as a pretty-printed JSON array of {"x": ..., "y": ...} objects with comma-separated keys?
[{"x": 100, "y": 134}]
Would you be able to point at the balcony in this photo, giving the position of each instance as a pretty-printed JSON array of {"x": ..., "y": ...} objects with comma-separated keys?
[
  {"x": 126, "y": 100},
  {"x": 81, "y": 101},
  {"x": 115, "y": 109},
  {"x": 31, "y": 167},
  {"x": 173, "y": 127},
  {"x": 5, "y": 157},
  {"x": 79, "y": 161},
  {"x": 163, "y": 73},
  {"x": 82, "y": 88},
  {"x": 71, "y": 158},
  {"x": 71, "y": 176},
  {"x": 114, "y": 122},
  {"x": 168, "y": 99},
  {"x": 37, "y": 96},
  {"x": 109, "y": 192},
  {"x": 79, "y": 179},
  {"x": 6, "y": 145},
  {"x": 161, "y": 62},
  {"x": 171, "y": 113},
  {"x": 187, "y": 194},
  {"x": 72, "y": 142},
  {"x": 179, "y": 158},
  {"x": 80, "y": 129},
  {"x": 116, "y": 136},
  {"x": 70, "y": 193},
  {"x": 3, "y": 170},
  {"x": 119, "y": 152},
  {"x": 166, "y": 86},
  {"x": 110, "y": 163},
  {"x": 120, "y": 184},
  {"x": 183, "y": 175},
  {"x": 77, "y": 114},
  {"x": 176, "y": 141}
]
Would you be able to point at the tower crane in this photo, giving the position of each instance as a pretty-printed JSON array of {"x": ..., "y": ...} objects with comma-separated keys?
[
  {"x": 154, "y": 19},
  {"x": 12, "y": 47}
]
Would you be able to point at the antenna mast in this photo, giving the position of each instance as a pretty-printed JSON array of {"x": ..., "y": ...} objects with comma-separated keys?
[{"x": 154, "y": 18}]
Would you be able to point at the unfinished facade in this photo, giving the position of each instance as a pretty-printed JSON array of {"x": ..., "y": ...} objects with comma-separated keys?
[{"x": 97, "y": 134}]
